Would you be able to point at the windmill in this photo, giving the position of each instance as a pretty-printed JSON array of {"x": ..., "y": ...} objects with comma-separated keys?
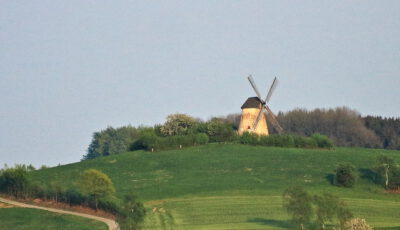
[{"x": 253, "y": 112}]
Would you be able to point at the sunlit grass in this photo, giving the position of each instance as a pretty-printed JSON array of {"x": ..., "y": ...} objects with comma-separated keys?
[{"x": 230, "y": 186}]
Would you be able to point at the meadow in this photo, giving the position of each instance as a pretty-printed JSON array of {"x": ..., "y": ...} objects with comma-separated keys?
[
  {"x": 27, "y": 219},
  {"x": 233, "y": 186}
]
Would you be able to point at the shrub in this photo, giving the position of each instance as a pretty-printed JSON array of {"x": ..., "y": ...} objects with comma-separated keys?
[
  {"x": 249, "y": 138},
  {"x": 110, "y": 204},
  {"x": 132, "y": 213},
  {"x": 150, "y": 141},
  {"x": 322, "y": 141},
  {"x": 345, "y": 175},
  {"x": 304, "y": 142},
  {"x": 356, "y": 224},
  {"x": 219, "y": 130},
  {"x": 201, "y": 139}
]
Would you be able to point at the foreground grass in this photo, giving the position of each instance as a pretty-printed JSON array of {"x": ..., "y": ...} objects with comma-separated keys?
[
  {"x": 27, "y": 219},
  {"x": 200, "y": 187}
]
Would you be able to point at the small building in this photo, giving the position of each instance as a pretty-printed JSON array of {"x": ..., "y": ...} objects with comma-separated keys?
[{"x": 250, "y": 110}]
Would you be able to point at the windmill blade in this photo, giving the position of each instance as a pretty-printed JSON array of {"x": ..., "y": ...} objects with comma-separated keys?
[
  {"x": 271, "y": 90},
  {"x": 273, "y": 120},
  {"x": 258, "y": 118},
  {"x": 254, "y": 86}
]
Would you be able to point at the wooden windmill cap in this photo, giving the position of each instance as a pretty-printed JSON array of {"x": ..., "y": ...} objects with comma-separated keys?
[{"x": 251, "y": 102}]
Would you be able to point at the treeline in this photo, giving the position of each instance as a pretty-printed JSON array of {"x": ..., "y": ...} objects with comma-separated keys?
[
  {"x": 94, "y": 190},
  {"x": 346, "y": 127},
  {"x": 387, "y": 129},
  {"x": 181, "y": 130},
  {"x": 178, "y": 131}
]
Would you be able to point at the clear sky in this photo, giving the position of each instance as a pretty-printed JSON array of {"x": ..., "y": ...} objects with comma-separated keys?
[{"x": 69, "y": 68}]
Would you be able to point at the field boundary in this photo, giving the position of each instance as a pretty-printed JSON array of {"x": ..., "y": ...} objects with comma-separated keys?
[{"x": 112, "y": 225}]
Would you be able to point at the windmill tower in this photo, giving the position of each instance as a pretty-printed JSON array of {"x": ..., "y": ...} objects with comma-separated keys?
[{"x": 253, "y": 117}]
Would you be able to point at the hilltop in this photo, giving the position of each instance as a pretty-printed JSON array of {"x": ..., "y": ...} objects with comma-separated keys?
[{"x": 221, "y": 186}]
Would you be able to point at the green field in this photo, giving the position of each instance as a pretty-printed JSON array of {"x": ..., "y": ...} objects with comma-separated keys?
[
  {"x": 231, "y": 186},
  {"x": 26, "y": 219}
]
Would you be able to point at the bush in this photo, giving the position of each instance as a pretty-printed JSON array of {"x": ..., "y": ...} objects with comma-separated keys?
[
  {"x": 304, "y": 142},
  {"x": 132, "y": 213},
  {"x": 151, "y": 142},
  {"x": 111, "y": 205},
  {"x": 249, "y": 138},
  {"x": 201, "y": 139},
  {"x": 322, "y": 141},
  {"x": 219, "y": 130},
  {"x": 356, "y": 224},
  {"x": 345, "y": 175},
  {"x": 288, "y": 141}
]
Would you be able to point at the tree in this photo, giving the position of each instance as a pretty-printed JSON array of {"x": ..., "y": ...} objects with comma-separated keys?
[
  {"x": 297, "y": 203},
  {"x": 345, "y": 175},
  {"x": 111, "y": 141},
  {"x": 326, "y": 208},
  {"x": 385, "y": 164},
  {"x": 96, "y": 184},
  {"x": 15, "y": 181},
  {"x": 132, "y": 213},
  {"x": 178, "y": 124},
  {"x": 219, "y": 130}
]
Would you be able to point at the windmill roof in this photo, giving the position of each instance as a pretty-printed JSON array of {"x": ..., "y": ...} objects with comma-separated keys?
[{"x": 251, "y": 102}]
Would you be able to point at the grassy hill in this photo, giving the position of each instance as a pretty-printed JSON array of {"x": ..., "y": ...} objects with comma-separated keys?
[
  {"x": 231, "y": 186},
  {"x": 27, "y": 219}
]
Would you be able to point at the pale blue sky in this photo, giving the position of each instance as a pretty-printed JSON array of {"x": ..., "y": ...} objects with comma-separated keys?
[{"x": 69, "y": 68}]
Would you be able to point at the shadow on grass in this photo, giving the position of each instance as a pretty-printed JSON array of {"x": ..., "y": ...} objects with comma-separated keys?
[
  {"x": 330, "y": 177},
  {"x": 369, "y": 175},
  {"x": 270, "y": 222}
]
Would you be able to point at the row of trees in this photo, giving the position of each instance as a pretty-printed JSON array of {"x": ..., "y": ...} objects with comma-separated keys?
[
  {"x": 94, "y": 189},
  {"x": 303, "y": 207},
  {"x": 180, "y": 130},
  {"x": 344, "y": 126}
]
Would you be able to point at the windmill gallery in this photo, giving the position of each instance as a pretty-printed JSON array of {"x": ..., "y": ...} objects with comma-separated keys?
[{"x": 253, "y": 118}]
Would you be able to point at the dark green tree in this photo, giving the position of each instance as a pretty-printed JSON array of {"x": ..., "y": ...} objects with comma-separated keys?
[
  {"x": 345, "y": 175},
  {"x": 111, "y": 141},
  {"x": 15, "y": 181}
]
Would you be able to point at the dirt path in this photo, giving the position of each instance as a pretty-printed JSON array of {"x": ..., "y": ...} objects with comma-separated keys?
[{"x": 112, "y": 225}]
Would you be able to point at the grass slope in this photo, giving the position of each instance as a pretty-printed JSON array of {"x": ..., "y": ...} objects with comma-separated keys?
[
  {"x": 230, "y": 186},
  {"x": 26, "y": 219}
]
